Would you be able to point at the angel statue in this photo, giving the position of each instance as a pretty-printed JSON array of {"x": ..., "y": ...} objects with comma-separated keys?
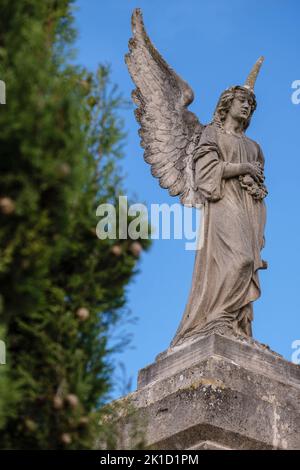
[{"x": 215, "y": 166}]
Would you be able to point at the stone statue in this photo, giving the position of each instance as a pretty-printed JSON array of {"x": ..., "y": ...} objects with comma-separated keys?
[{"x": 215, "y": 166}]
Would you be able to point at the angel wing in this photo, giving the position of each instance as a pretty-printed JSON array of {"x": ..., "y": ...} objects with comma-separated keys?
[{"x": 169, "y": 131}]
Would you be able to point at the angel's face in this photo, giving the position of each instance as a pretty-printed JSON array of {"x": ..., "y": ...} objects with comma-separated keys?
[{"x": 241, "y": 106}]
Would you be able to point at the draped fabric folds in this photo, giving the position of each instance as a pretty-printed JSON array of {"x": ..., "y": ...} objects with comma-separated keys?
[{"x": 225, "y": 278}]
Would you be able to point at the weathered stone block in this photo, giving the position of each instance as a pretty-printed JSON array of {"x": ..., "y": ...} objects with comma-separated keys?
[{"x": 219, "y": 393}]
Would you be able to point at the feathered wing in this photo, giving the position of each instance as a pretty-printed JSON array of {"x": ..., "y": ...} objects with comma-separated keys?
[{"x": 169, "y": 131}]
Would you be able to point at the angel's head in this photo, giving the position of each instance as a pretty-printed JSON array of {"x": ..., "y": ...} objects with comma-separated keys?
[{"x": 237, "y": 100}]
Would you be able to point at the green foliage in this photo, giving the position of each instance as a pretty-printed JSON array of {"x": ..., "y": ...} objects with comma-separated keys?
[{"x": 62, "y": 289}]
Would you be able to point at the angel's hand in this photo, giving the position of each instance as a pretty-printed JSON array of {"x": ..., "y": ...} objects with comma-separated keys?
[{"x": 255, "y": 171}]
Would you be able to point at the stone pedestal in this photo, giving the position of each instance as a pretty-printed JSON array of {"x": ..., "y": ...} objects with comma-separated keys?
[{"x": 219, "y": 393}]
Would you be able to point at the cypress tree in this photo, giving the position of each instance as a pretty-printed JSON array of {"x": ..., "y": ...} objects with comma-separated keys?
[{"x": 62, "y": 289}]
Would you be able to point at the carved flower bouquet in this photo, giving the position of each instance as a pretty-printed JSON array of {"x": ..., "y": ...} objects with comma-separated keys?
[{"x": 257, "y": 189}]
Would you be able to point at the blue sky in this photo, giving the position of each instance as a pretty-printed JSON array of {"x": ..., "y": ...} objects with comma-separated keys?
[{"x": 212, "y": 44}]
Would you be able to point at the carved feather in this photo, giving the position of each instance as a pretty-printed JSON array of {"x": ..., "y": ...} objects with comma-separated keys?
[{"x": 169, "y": 131}]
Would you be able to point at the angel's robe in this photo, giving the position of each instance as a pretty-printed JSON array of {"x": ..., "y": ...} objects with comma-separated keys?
[{"x": 225, "y": 278}]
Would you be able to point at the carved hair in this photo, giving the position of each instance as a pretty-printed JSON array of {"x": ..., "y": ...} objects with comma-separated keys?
[{"x": 225, "y": 102}]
